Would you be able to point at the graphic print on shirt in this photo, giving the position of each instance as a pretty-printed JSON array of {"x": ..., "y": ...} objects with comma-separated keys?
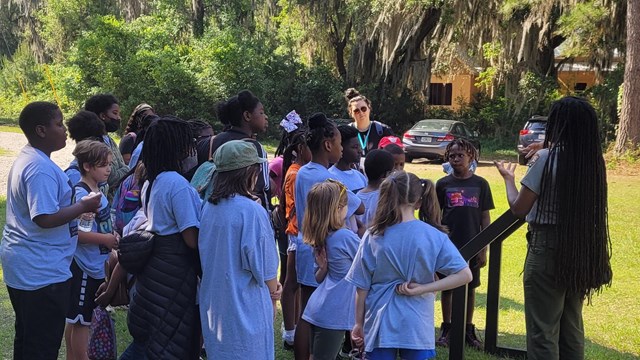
[
  {"x": 73, "y": 224},
  {"x": 463, "y": 196}
]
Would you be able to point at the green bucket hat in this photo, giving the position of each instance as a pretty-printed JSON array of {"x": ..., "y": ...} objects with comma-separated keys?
[{"x": 236, "y": 154}]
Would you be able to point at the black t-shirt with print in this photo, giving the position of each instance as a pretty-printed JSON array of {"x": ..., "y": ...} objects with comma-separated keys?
[
  {"x": 376, "y": 131},
  {"x": 462, "y": 202}
]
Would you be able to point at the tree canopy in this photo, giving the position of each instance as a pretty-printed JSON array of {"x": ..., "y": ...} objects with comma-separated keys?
[{"x": 184, "y": 56}]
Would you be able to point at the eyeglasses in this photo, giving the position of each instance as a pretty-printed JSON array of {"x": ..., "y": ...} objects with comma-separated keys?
[{"x": 363, "y": 110}]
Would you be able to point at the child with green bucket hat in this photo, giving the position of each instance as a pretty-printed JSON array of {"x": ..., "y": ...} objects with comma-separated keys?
[{"x": 236, "y": 239}]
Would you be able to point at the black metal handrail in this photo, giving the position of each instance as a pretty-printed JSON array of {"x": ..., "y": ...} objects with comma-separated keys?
[{"x": 493, "y": 236}]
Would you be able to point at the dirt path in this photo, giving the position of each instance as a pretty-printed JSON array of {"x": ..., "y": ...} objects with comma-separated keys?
[{"x": 11, "y": 143}]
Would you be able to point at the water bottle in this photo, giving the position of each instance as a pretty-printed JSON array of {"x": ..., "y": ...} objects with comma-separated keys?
[{"x": 85, "y": 222}]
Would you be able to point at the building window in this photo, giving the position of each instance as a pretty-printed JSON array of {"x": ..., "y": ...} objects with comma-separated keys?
[
  {"x": 580, "y": 87},
  {"x": 440, "y": 94}
]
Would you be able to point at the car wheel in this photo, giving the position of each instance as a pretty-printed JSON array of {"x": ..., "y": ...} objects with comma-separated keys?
[
  {"x": 522, "y": 160},
  {"x": 408, "y": 159}
]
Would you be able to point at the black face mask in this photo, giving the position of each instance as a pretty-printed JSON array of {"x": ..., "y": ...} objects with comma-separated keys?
[{"x": 111, "y": 124}]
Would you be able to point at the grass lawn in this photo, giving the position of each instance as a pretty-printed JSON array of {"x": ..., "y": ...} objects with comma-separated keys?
[{"x": 612, "y": 321}]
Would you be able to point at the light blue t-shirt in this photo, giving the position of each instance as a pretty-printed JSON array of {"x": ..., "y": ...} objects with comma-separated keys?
[
  {"x": 91, "y": 257},
  {"x": 332, "y": 304},
  {"x": 33, "y": 257},
  {"x": 174, "y": 205},
  {"x": 73, "y": 172},
  {"x": 135, "y": 155},
  {"x": 309, "y": 175},
  {"x": 238, "y": 254},
  {"x": 407, "y": 252},
  {"x": 370, "y": 201},
  {"x": 354, "y": 180}
]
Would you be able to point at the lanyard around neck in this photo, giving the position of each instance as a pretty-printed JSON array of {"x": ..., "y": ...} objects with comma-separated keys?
[{"x": 363, "y": 143}]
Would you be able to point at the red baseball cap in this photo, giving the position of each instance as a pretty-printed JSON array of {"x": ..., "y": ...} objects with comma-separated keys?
[{"x": 390, "y": 140}]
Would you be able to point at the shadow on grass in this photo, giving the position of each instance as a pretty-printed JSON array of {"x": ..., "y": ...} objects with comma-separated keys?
[{"x": 505, "y": 303}]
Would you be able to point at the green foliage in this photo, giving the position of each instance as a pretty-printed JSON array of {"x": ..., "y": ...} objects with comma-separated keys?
[
  {"x": 62, "y": 21},
  {"x": 281, "y": 50},
  {"x": 606, "y": 98},
  {"x": 22, "y": 80},
  {"x": 583, "y": 28}
]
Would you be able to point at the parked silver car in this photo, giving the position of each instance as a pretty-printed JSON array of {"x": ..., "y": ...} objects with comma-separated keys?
[
  {"x": 429, "y": 138},
  {"x": 533, "y": 131}
]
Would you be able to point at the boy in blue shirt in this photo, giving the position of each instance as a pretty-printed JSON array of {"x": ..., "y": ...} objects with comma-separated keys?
[{"x": 39, "y": 237}]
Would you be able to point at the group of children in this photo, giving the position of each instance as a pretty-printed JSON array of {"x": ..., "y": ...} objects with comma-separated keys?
[
  {"x": 333, "y": 211},
  {"x": 361, "y": 269}
]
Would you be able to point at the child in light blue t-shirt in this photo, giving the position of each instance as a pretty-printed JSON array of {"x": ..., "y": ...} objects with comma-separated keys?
[
  {"x": 345, "y": 170},
  {"x": 237, "y": 309},
  {"x": 324, "y": 141},
  {"x": 331, "y": 307},
  {"x": 394, "y": 273},
  {"x": 39, "y": 236},
  {"x": 169, "y": 278},
  {"x": 378, "y": 164},
  {"x": 94, "y": 244}
]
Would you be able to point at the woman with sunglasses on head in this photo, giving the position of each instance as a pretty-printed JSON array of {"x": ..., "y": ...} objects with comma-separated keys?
[{"x": 369, "y": 131}]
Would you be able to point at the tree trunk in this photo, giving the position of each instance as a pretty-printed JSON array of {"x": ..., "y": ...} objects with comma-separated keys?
[
  {"x": 198, "y": 18},
  {"x": 339, "y": 43},
  {"x": 629, "y": 130}
]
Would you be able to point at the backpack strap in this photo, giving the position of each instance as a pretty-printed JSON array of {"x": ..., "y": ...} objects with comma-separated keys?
[
  {"x": 72, "y": 167},
  {"x": 378, "y": 127},
  {"x": 83, "y": 185}
]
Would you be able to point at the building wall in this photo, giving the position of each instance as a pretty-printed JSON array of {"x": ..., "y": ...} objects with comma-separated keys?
[
  {"x": 463, "y": 88},
  {"x": 463, "y": 85},
  {"x": 568, "y": 79}
]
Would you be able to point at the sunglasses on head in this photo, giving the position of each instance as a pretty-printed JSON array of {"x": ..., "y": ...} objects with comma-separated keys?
[
  {"x": 363, "y": 109},
  {"x": 343, "y": 188}
]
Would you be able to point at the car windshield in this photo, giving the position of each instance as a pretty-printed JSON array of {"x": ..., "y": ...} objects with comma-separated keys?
[
  {"x": 537, "y": 125},
  {"x": 433, "y": 125}
]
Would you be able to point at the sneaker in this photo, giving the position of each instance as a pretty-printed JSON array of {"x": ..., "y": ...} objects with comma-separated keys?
[
  {"x": 472, "y": 339},
  {"x": 355, "y": 354},
  {"x": 287, "y": 346},
  {"x": 443, "y": 340}
]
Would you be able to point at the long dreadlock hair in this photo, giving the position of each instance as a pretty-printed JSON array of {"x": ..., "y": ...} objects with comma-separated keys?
[
  {"x": 198, "y": 126},
  {"x": 574, "y": 183},
  {"x": 166, "y": 143},
  {"x": 145, "y": 122}
]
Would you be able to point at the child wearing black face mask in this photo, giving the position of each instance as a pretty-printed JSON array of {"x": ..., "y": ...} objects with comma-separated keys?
[{"x": 107, "y": 108}]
